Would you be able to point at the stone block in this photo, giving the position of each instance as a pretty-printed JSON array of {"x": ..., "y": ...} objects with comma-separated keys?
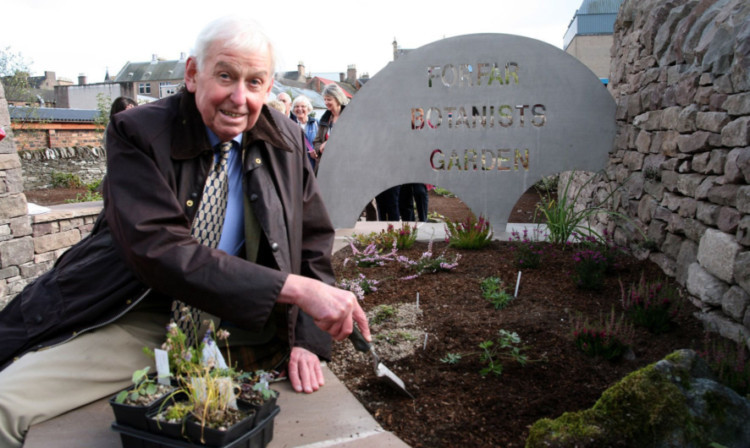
[
  {"x": 649, "y": 121},
  {"x": 9, "y": 162},
  {"x": 654, "y": 188},
  {"x": 45, "y": 228},
  {"x": 717, "y": 252},
  {"x": 656, "y": 232},
  {"x": 56, "y": 241},
  {"x": 669, "y": 145},
  {"x": 34, "y": 270},
  {"x": 711, "y": 121},
  {"x": 670, "y": 117},
  {"x": 717, "y": 161},
  {"x": 728, "y": 220},
  {"x": 693, "y": 229},
  {"x": 667, "y": 265},
  {"x": 687, "y": 207},
  {"x": 20, "y": 226},
  {"x": 695, "y": 142},
  {"x": 12, "y": 206},
  {"x": 652, "y": 162},
  {"x": 671, "y": 201},
  {"x": 719, "y": 323},
  {"x": 705, "y": 286},
  {"x": 684, "y": 167},
  {"x": 671, "y": 246},
  {"x": 678, "y": 224},
  {"x": 736, "y": 164},
  {"x": 9, "y": 272},
  {"x": 16, "y": 252},
  {"x": 700, "y": 162},
  {"x": 687, "y": 184},
  {"x": 662, "y": 214},
  {"x": 742, "y": 270},
  {"x": 707, "y": 213},
  {"x": 738, "y": 104},
  {"x": 702, "y": 191},
  {"x": 717, "y": 101},
  {"x": 643, "y": 142},
  {"x": 686, "y": 121},
  {"x": 743, "y": 231},
  {"x": 724, "y": 194},
  {"x": 735, "y": 302},
  {"x": 633, "y": 160},
  {"x": 736, "y": 133},
  {"x": 687, "y": 255},
  {"x": 669, "y": 180}
]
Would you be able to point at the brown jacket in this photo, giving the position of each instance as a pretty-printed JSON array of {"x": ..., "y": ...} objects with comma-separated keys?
[{"x": 157, "y": 162}]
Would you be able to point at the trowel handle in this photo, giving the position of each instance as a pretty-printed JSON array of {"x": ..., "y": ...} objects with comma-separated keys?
[{"x": 358, "y": 340}]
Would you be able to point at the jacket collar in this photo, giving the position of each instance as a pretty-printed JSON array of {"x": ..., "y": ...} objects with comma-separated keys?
[{"x": 190, "y": 138}]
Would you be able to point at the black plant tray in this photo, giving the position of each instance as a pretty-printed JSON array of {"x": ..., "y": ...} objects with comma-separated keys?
[{"x": 258, "y": 437}]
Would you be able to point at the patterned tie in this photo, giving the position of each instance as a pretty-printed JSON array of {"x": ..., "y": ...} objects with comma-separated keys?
[{"x": 207, "y": 227}]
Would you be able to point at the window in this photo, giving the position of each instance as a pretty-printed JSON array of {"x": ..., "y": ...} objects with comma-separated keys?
[
  {"x": 167, "y": 89},
  {"x": 144, "y": 88}
]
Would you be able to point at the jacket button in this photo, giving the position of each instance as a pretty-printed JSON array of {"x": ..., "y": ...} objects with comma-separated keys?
[
  {"x": 257, "y": 161},
  {"x": 38, "y": 318},
  {"x": 189, "y": 203},
  {"x": 253, "y": 197},
  {"x": 128, "y": 302},
  {"x": 275, "y": 247}
]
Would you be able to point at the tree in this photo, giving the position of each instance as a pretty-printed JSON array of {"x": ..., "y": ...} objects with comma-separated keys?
[{"x": 14, "y": 71}]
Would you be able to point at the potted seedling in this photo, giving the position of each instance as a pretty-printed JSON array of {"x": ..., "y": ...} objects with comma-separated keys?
[{"x": 130, "y": 405}]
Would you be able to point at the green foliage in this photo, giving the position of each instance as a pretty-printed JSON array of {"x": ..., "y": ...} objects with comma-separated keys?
[
  {"x": 142, "y": 386},
  {"x": 471, "y": 233},
  {"x": 383, "y": 313},
  {"x": 65, "y": 180},
  {"x": 563, "y": 219},
  {"x": 403, "y": 238},
  {"x": 547, "y": 184},
  {"x": 609, "y": 338},
  {"x": 729, "y": 361},
  {"x": 14, "y": 72},
  {"x": 178, "y": 411},
  {"x": 504, "y": 347},
  {"x": 443, "y": 192},
  {"x": 527, "y": 252},
  {"x": 494, "y": 292},
  {"x": 103, "y": 105},
  {"x": 650, "y": 305},
  {"x": 451, "y": 358},
  {"x": 427, "y": 264}
]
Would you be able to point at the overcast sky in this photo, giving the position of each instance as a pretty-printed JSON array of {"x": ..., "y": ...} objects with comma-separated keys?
[{"x": 89, "y": 36}]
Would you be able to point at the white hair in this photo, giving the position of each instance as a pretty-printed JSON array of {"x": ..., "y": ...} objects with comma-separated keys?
[{"x": 235, "y": 33}]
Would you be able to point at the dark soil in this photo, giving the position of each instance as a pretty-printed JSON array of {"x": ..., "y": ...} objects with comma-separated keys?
[
  {"x": 454, "y": 405},
  {"x": 53, "y": 196}
]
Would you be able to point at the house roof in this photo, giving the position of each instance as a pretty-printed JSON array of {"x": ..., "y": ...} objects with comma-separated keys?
[
  {"x": 152, "y": 71},
  {"x": 25, "y": 113},
  {"x": 594, "y": 17},
  {"x": 599, "y": 7},
  {"x": 344, "y": 86}
]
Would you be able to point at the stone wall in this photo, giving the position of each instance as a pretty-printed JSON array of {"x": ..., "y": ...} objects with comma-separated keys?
[
  {"x": 29, "y": 245},
  {"x": 680, "y": 75},
  {"x": 89, "y": 163}
]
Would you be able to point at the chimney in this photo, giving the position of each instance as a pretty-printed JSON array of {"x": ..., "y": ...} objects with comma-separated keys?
[
  {"x": 154, "y": 58},
  {"x": 351, "y": 73},
  {"x": 341, "y": 77},
  {"x": 301, "y": 70},
  {"x": 81, "y": 79},
  {"x": 182, "y": 56}
]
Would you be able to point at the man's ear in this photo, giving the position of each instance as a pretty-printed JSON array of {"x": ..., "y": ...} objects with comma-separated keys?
[{"x": 191, "y": 71}]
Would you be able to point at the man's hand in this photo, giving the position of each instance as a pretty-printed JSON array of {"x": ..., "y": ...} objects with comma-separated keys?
[
  {"x": 304, "y": 371},
  {"x": 332, "y": 309}
]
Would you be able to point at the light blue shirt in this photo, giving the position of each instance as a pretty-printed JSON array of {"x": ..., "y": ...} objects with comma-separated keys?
[{"x": 233, "y": 231}]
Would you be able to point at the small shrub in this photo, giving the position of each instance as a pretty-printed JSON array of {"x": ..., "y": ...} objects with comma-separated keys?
[
  {"x": 403, "y": 238},
  {"x": 729, "y": 361},
  {"x": 547, "y": 184},
  {"x": 443, "y": 192},
  {"x": 505, "y": 347},
  {"x": 650, "y": 305},
  {"x": 89, "y": 196},
  {"x": 370, "y": 256},
  {"x": 451, "y": 358},
  {"x": 494, "y": 292},
  {"x": 360, "y": 286},
  {"x": 527, "y": 252},
  {"x": 383, "y": 313},
  {"x": 609, "y": 338},
  {"x": 66, "y": 180},
  {"x": 590, "y": 267},
  {"x": 471, "y": 233},
  {"x": 427, "y": 264}
]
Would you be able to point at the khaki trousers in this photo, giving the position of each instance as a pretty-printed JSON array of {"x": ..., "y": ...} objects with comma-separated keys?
[{"x": 44, "y": 384}]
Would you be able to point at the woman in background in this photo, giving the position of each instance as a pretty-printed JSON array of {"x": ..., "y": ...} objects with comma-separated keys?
[
  {"x": 301, "y": 108},
  {"x": 335, "y": 101}
]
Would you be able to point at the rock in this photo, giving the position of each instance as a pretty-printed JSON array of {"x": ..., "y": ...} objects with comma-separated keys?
[
  {"x": 675, "y": 402},
  {"x": 717, "y": 252},
  {"x": 705, "y": 286}
]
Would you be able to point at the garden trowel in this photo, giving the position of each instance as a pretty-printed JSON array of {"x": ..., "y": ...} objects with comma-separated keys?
[{"x": 381, "y": 371}]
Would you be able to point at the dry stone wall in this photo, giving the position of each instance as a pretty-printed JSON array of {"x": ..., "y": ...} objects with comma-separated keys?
[
  {"x": 87, "y": 162},
  {"x": 680, "y": 75}
]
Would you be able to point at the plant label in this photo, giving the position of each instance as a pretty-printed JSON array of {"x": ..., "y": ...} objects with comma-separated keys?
[
  {"x": 211, "y": 352},
  {"x": 162, "y": 366}
]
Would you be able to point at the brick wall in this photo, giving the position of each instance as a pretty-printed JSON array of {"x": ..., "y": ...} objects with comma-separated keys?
[{"x": 56, "y": 136}]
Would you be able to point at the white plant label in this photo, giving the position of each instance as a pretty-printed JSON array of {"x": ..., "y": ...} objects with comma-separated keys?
[{"x": 162, "y": 366}]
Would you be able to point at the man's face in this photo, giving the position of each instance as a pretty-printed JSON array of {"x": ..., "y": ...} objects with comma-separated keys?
[
  {"x": 231, "y": 88},
  {"x": 284, "y": 98}
]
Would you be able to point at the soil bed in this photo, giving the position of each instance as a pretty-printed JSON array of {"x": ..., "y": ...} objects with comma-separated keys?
[{"x": 454, "y": 405}]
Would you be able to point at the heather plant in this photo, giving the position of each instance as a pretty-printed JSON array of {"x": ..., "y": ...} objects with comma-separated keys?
[
  {"x": 360, "y": 286},
  {"x": 609, "y": 338},
  {"x": 604, "y": 244},
  {"x": 471, "y": 233},
  {"x": 370, "y": 256},
  {"x": 527, "y": 251},
  {"x": 427, "y": 264},
  {"x": 590, "y": 268},
  {"x": 729, "y": 361},
  {"x": 402, "y": 238},
  {"x": 651, "y": 305},
  {"x": 494, "y": 292}
]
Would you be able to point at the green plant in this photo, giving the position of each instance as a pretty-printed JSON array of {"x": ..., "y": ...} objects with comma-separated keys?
[
  {"x": 89, "y": 196},
  {"x": 443, "y": 192},
  {"x": 370, "y": 256},
  {"x": 590, "y": 267},
  {"x": 471, "y": 233},
  {"x": 427, "y": 264},
  {"x": 494, "y": 292},
  {"x": 650, "y": 305},
  {"x": 505, "y": 347},
  {"x": 360, "y": 286},
  {"x": 383, "y": 313},
  {"x": 65, "y": 180},
  {"x": 143, "y": 386},
  {"x": 403, "y": 238},
  {"x": 547, "y": 184},
  {"x": 434, "y": 216},
  {"x": 527, "y": 252},
  {"x": 729, "y": 361},
  {"x": 609, "y": 338},
  {"x": 563, "y": 217},
  {"x": 451, "y": 358}
]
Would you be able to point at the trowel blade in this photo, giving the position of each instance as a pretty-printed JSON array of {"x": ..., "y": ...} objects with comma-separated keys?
[{"x": 383, "y": 372}]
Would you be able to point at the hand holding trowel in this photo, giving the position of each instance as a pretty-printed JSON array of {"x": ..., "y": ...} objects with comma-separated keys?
[{"x": 381, "y": 371}]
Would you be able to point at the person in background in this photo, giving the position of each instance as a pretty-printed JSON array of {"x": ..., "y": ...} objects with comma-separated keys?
[
  {"x": 278, "y": 105},
  {"x": 388, "y": 205},
  {"x": 287, "y": 101},
  {"x": 120, "y": 104},
  {"x": 301, "y": 108},
  {"x": 335, "y": 101},
  {"x": 408, "y": 195},
  {"x": 261, "y": 264}
]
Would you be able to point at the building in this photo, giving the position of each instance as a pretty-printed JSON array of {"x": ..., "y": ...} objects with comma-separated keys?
[
  {"x": 44, "y": 127},
  {"x": 589, "y": 35},
  {"x": 155, "y": 79}
]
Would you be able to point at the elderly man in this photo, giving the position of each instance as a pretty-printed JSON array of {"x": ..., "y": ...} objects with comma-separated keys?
[
  {"x": 241, "y": 234},
  {"x": 287, "y": 100}
]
